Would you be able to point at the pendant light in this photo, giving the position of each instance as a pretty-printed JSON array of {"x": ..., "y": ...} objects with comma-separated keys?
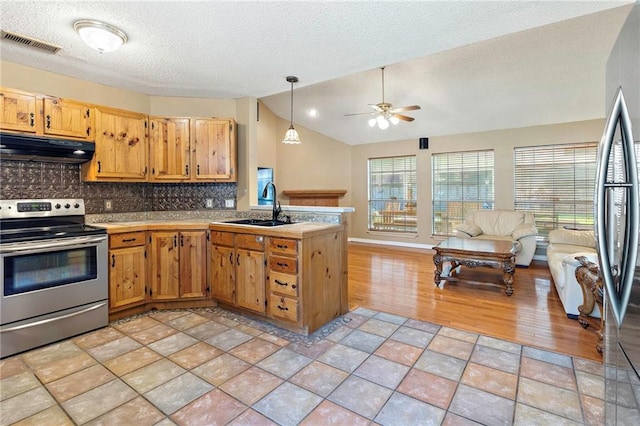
[{"x": 291, "y": 137}]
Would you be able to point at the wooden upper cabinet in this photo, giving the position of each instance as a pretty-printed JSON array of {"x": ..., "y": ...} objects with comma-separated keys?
[
  {"x": 67, "y": 118},
  {"x": 121, "y": 147},
  {"x": 213, "y": 152},
  {"x": 169, "y": 149},
  {"x": 19, "y": 111}
]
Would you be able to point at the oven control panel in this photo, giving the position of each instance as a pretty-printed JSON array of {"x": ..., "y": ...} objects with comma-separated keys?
[
  {"x": 36, "y": 206},
  {"x": 41, "y": 207}
]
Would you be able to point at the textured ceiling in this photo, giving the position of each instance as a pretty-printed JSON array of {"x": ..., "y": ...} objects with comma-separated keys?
[{"x": 471, "y": 65}]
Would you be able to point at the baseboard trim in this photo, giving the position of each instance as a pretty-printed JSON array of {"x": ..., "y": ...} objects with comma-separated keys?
[
  {"x": 390, "y": 243},
  {"x": 412, "y": 245}
]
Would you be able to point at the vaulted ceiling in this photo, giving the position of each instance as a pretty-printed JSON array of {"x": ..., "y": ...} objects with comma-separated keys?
[{"x": 470, "y": 65}]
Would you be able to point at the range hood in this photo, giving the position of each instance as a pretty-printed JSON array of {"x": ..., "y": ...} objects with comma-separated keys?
[{"x": 14, "y": 146}]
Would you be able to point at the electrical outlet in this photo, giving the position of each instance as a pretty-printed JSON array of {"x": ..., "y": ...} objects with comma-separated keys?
[
  {"x": 209, "y": 203},
  {"x": 108, "y": 205},
  {"x": 229, "y": 203}
]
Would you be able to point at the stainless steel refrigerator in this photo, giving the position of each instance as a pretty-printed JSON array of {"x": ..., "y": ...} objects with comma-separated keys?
[{"x": 617, "y": 225}]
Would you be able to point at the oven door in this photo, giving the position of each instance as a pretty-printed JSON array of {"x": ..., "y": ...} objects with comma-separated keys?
[{"x": 46, "y": 276}]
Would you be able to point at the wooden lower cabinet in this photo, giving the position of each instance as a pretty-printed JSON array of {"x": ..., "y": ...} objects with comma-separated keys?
[
  {"x": 250, "y": 283},
  {"x": 127, "y": 270},
  {"x": 193, "y": 264},
  {"x": 223, "y": 267},
  {"x": 283, "y": 279},
  {"x": 296, "y": 283},
  {"x": 178, "y": 265},
  {"x": 237, "y": 270}
]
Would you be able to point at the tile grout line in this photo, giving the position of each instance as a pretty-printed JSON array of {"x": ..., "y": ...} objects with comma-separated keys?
[{"x": 314, "y": 358}]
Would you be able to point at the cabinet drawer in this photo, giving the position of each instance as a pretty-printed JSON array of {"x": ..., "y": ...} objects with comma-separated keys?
[
  {"x": 283, "y": 307},
  {"x": 283, "y": 283},
  {"x": 283, "y": 245},
  {"x": 222, "y": 238},
  {"x": 288, "y": 265},
  {"x": 250, "y": 242},
  {"x": 127, "y": 239}
]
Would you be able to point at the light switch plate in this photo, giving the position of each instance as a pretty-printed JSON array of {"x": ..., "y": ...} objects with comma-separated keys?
[
  {"x": 108, "y": 205},
  {"x": 209, "y": 203},
  {"x": 229, "y": 203}
]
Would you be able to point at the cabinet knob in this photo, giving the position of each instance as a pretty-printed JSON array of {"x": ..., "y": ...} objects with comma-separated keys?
[{"x": 259, "y": 239}]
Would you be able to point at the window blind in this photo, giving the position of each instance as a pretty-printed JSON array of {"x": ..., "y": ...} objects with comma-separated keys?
[
  {"x": 392, "y": 194},
  {"x": 461, "y": 181},
  {"x": 556, "y": 184}
]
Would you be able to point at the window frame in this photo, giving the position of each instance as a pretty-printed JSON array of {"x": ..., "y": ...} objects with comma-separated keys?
[
  {"x": 450, "y": 210},
  {"x": 556, "y": 201},
  {"x": 395, "y": 210}
]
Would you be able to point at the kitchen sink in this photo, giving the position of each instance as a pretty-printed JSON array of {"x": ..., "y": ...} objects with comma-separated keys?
[{"x": 258, "y": 222}]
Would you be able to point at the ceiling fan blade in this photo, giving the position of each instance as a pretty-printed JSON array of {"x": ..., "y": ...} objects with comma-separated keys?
[
  {"x": 360, "y": 113},
  {"x": 403, "y": 117},
  {"x": 406, "y": 108}
]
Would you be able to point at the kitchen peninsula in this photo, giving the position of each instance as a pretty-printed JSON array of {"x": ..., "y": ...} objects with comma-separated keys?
[{"x": 293, "y": 275}]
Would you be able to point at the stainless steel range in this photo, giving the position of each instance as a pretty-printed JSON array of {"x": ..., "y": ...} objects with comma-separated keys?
[{"x": 54, "y": 273}]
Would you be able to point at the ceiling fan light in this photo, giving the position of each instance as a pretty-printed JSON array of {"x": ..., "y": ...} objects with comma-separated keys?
[
  {"x": 100, "y": 36},
  {"x": 383, "y": 123},
  {"x": 372, "y": 122},
  {"x": 291, "y": 137},
  {"x": 394, "y": 120}
]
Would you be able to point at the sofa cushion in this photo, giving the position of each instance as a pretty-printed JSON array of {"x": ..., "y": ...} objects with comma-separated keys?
[
  {"x": 470, "y": 228},
  {"x": 497, "y": 222},
  {"x": 584, "y": 238}
]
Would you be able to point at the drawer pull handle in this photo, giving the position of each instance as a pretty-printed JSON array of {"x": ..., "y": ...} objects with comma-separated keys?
[
  {"x": 282, "y": 246},
  {"x": 283, "y": 309},
  {"x": 128, "y": 240},
  {"x": 281, "y": 283},
  {"x": 113, "y": 260},
  {"x": 282, "y": 265}
]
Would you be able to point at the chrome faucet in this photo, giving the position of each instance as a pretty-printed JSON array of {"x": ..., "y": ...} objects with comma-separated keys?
[{"x": 276, "y": 210}]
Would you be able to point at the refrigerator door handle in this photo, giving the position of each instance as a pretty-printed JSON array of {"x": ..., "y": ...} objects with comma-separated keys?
[{"x": 618, "y": 288}]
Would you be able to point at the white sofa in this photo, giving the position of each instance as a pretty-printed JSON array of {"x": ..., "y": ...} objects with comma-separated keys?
[
  {"x": 564, "y": 246},
  {"x": 508, "y": 225}
]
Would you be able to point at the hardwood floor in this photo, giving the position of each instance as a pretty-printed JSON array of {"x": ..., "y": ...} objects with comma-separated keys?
[{"x": 400, "y": 281}]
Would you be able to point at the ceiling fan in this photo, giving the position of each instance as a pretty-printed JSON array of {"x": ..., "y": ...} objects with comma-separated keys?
[{"x": 384, "y": 113}]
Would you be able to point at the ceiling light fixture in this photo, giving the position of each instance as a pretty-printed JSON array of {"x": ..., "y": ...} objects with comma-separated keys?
[
  {"x": 291, "y": 137},
  {"x": 100, "y": 36}
]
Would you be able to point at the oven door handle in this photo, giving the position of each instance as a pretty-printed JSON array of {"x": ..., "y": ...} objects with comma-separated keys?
[
  {"x": 38, "y": 246},
  {"x": 49, "y": 320}
]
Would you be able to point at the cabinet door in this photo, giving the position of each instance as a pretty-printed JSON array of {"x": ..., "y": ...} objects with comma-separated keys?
[
  {"x": 250, "y": 281},
  {"x": 18, "y": 111},
  {"x": 165, "y": 265},
  {"x": 213, "y": 150},
  {"x": 223, "y": 273},
  {"x": 121, "y": 146},
  {"x": 169, "y": 148},
  {"x": 127, "y": 276},
  {"x": 67, "y": 118},
  {"x": 193, "y": 269}
]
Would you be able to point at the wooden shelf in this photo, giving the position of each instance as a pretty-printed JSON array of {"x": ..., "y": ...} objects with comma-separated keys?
[{"x": 314, "y": 197}]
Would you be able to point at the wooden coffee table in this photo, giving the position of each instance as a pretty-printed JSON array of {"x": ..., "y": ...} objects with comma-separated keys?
[{"x": 476, "y": 253}]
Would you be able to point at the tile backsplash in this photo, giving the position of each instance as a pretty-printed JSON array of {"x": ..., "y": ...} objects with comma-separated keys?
[{"x": 29, "y": 179}]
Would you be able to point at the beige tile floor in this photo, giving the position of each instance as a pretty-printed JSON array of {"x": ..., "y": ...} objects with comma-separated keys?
[{"x": 210, "y": 367}]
